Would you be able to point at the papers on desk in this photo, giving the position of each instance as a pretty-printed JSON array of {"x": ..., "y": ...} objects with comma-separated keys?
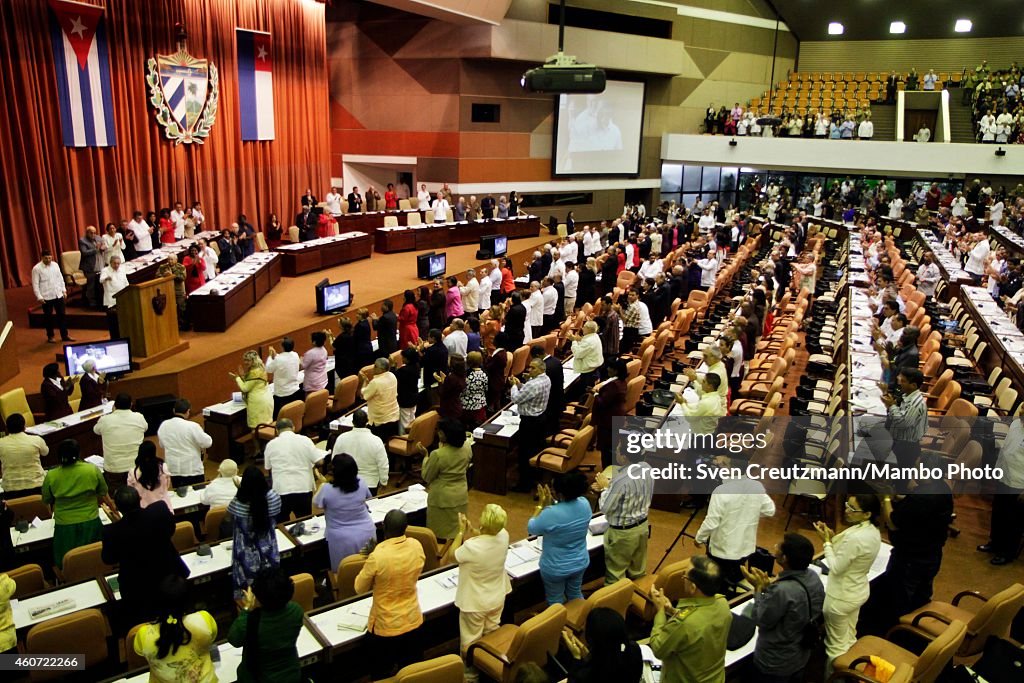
[
  {"x": 225, "y": 408},
  {"x": 355, "y": 618},
  {"x": 31, "y": 611},
  {"x": 343, "y": 421},
  {"x": 519, "y": 554},
  {"x": 412, "y": 500}
]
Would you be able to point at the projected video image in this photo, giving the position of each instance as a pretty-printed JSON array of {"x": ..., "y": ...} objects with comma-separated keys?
[{"x": 600, "y": 134}]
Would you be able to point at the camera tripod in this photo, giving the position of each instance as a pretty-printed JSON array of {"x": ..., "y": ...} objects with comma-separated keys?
[{"x": 683, "y": 532}]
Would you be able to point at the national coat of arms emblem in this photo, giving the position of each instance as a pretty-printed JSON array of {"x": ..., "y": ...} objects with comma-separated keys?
[{"x": 185, "y": 92}]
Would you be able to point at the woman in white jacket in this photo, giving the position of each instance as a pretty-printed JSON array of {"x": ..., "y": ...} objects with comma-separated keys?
[{"x": 849, "y": 556}]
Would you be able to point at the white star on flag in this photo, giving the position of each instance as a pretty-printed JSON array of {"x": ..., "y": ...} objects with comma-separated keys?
[
  {"x": 77, "y": 27},
  {"x": 261, "y": 52}
]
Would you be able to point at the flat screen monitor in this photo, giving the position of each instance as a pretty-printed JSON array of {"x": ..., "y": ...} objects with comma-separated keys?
[
  {"x": 423, "y": 265},
  {"x": 112, "y": 357},
  {"x": 495, "y": 245},
  {"x": 333, "y": 297},
  {"x": 599, "y": 134}
]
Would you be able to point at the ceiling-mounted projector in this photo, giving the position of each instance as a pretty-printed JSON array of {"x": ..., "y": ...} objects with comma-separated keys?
[{"x": 561, "y": 73}]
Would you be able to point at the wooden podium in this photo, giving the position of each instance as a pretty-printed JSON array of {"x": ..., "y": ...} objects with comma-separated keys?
[{"x": 147, "y": 314}]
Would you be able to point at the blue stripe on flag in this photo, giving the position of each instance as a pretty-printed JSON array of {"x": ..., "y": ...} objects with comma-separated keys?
[
  {"x": 108, "y": 98},
  {"x": 85, "y": 88},
  {"x": 176, "y": 96},
  {"x": 63, "y": 92},
  {"x": 247, "y": 86}
]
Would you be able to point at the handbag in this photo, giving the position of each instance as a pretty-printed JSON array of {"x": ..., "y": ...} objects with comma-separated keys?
[{"x": 741, "y": 630}]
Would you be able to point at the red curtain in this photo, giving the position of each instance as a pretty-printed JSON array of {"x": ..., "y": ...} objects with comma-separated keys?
[{"x": 51, "y": 192}]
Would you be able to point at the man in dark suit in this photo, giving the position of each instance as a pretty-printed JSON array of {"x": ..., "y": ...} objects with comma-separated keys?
[
  {"x": 435, "y": 359},
  {"x": 644, "y": 244},
  {"x": 230, "y": 252},
  {"x": 487, "y": 205},
  {"x": 560, "y": 305},
  {"x": 556, "y": 398},
  {"x": 90, "y": 265},
  {"x": 246, "y": 236},
  {"x": 545, "y": 263},
  {"x": 515, "y": 322},
  {"x": 306, "y": 222},
  {"x": 309, "y": 199},
  {"x": 662, "y": 300},
  {"x": 609, "y": 273},
  {"x": 387, "y": 329},
  {"x": 494, "y": 368},
  {"x": 891, "y": 87},
  {"x": 536, "y": 268},
  {"x": 355, "y": 201},
  {"x": 140, "y": 542},
  {"x": 679, "y": 287}
]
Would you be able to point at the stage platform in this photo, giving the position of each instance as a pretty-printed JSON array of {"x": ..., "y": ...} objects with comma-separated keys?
[{"x": 200, "y": 373}]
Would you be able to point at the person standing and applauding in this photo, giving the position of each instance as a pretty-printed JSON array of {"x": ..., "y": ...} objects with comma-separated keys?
[
  {"x": 849, "y": 556},
  {"x": 391, "y": 572},
  {"x": 564, "y": 528},
  {"x": 267, "y": 634},
  {"x": 690, "y": 638},
  {"x": 531, "y": 399},
  {"x": 625, "y": 501},
  {"x": 483, "y": 581}
]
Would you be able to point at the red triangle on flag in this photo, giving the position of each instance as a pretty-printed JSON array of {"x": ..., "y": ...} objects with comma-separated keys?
[{"x": 78, "y": 22}]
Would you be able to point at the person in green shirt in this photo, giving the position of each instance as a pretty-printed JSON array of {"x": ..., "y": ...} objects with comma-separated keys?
[
  {"x": 444, "y": 470},
  {"x": 267, "y": 635},
  {"x": 74, "y": 491},
  {"x": 690, "y": 639}
]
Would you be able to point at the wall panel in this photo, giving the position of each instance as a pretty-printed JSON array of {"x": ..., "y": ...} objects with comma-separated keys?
[{"x": 902, "y": 55}]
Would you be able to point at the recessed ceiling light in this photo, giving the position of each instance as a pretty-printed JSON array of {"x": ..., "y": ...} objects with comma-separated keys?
[
  {"x": 836, "y": 29},
  {"x": 962, "y": 26},
  {"x": 897, "y": 27}
]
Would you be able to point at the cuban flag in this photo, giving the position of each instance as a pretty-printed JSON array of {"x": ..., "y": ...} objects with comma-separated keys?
[
  {"x": 255, "y": 85},
  {"x": 82, "y": 64}
]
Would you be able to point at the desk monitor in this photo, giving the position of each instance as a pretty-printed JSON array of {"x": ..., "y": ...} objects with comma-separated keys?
[
  {"x": 331, "y": 298},
  {"x": 492, "y": 246},
  {"x": 423, "y": 266},
  {"x": 112, "y": 357}
]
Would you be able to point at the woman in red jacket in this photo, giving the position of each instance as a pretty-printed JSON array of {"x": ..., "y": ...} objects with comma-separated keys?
[
  {"x": 408, "y": 331},
  {"x": 195, "y": 270},
  {"x": 391, "y": 198},
  {"x": 508, "y": 283},
  {"x": 166, "y": 227}
]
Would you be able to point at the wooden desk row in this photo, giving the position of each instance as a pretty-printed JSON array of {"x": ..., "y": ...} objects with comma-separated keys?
[
  {"x": 326, "y": 252},
  {"x": 216, "y": 306},
  {"x": 496, "y": 442},
  {"x": 1005, "y": 341},
  {"x": 441, "y": 235}
]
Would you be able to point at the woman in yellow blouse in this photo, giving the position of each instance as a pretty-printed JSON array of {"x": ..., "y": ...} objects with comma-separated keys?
[
  {"x": 177, "y": 645},
  {"x": 252, "y": 382}
]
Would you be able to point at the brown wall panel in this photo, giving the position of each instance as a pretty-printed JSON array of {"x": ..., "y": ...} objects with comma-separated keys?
[
  {"x": 902, "y": 55},
  {"x": 500, "y": 170}
]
